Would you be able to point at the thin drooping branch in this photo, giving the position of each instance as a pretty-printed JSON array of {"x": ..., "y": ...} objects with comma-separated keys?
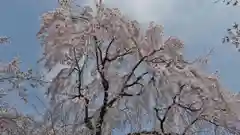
[
  {"x": 31, "y": 78},
  {"x": 80, "y": 72},
  {"x": 105, "y": 84},
  {"x": 217, "y": 124},
  {"x": 125, "y": 84},
  {"x": 163, "y": 119},
  {"x": 107, "y": 51},
  {"x": 147, "y": 133},
  {"x": 190, "y": 125},
  {"x": 80, "y": 95},
  {"x": 129, "y": 51}
]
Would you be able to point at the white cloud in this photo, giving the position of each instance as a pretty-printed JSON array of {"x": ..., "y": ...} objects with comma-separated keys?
[{"x": 143, "y": 10}]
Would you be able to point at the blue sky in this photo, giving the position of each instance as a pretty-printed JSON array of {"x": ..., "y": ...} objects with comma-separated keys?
[
  {"x": 200, "y": 24},
  {"x": 20, "y": 20}
]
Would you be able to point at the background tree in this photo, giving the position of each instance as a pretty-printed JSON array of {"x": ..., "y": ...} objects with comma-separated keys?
[
  {"x": 229, "y": 2},
  {"x": 232, "y": 36},
  {"x": 233, "y": 33},
  {"x": 13, "y": 79}
]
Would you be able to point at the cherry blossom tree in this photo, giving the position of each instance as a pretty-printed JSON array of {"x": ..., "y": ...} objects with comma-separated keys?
[
  {"x": 103, "y": 72},
  {"x": 13, "y": 79},
  {"x": 107, "y": 73}
]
